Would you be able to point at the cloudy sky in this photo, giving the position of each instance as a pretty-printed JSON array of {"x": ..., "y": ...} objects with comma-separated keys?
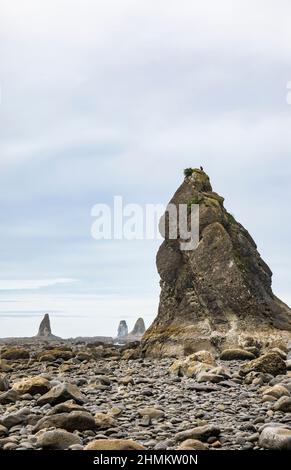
[{"x": 115, "y": 97}]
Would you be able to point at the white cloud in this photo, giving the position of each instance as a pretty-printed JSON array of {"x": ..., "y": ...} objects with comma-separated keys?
[
  {"x": 258, "y": 27},
  {"x": 32, "y": 284}
]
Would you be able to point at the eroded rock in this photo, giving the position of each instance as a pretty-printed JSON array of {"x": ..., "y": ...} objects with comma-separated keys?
[
  {"x": 269, "y": 363},
  {"x": 192, "y": 444},
  {"x": 4, "y": 383},
  {"x": 201, "y": 433},
  {"x": 122, "y": 329},
  {"x": 213, "y": 295},
  {"x": 76, "y": 420},
  {"x": 60, "y": 393},
  {"x": 13, "y": 353},
  {"x": 236, "y": 354},
  {"x": 45, "y": 327},
  {"x": 32, "y": 385},
  {"x": 57, "y": 439},
  {"x": 275, "y": 438},
  {"x": 114, "y": 444}
]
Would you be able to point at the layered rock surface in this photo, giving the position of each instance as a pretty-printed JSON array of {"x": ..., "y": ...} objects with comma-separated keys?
[{"x": 219, "y": 294}]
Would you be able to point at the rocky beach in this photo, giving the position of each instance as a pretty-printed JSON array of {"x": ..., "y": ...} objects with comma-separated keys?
[{"x": 102, "y": 397}]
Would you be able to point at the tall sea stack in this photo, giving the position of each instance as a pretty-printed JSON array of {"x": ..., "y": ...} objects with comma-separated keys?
[
  {"x": 219, "y": 294},
  {"x": 139, "y": 328},
  {"x": 45, "y": 327},
  {"x": 122, "y": 329}
]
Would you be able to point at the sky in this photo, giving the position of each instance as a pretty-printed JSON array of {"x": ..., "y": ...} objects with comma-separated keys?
[{"x": 116, "y": 97}]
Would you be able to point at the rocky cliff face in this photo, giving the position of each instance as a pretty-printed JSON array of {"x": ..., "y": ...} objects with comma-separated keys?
[
  {"x": 45, "y": 327},
  {"x": 122, "y": 329},
  {"x": 218, "y": 294}
]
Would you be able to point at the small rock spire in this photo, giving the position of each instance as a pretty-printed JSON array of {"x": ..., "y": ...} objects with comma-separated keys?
[
  {"x": 45, "y": 326},
  {"x": 122, "y": 329},
  {"x": 139, "y": 327}
]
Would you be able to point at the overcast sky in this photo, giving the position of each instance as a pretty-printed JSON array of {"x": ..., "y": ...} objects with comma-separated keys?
[{"x": 116, "y": 97}]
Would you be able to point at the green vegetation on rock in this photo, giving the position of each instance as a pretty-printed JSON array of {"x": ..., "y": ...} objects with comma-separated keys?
[
  {"x": 230, "y": 218},
  {"x": 194, "y": 200},
  {"x": 188, "y": 172}
]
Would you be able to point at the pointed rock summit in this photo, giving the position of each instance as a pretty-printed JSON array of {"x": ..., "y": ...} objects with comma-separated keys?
[
  {"x": 45, "y": 327},
  {"x": 122, "y": 329},
  {"x": 139, "y": 328},
  {"x": 219, "y": 294}
]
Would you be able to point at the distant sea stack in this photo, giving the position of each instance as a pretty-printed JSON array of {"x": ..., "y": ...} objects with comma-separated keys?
[
  {"x": 45, "y": 327},
  {"x": 139, "y": 328},
  {"x": 218, "y": 295},
  {"x": 122, "y": 329}
]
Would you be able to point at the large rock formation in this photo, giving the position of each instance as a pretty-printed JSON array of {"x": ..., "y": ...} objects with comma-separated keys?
[
  {"x": 139, "y": 328},
  {"x": 136, "y": 334},
  {"x": 122, "y": 329},
  {"x": 45, "y": 327},
  {"x": 219, "y": 294}
]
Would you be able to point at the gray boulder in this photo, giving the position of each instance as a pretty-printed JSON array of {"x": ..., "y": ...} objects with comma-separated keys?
[
  {"x": 275, "y": 438},
  {"x": 57, "y": 439}
]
